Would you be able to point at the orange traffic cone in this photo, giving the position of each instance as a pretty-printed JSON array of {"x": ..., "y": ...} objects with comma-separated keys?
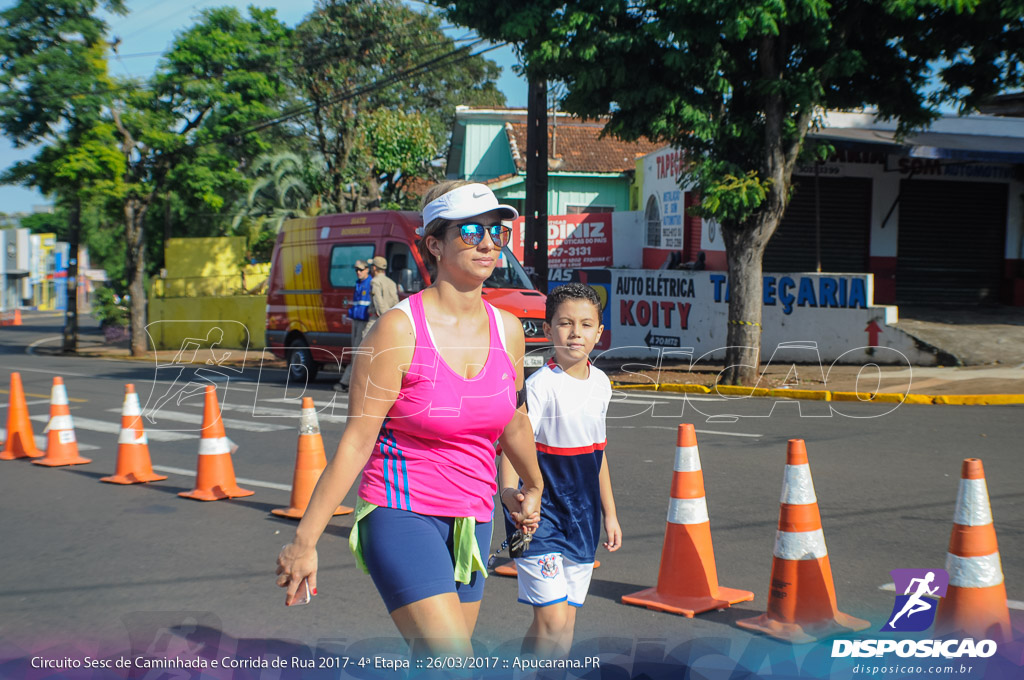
[
  {"x": 310, "y": 462},
  {"x": 687, "y": 577},
  {"x": 975, "y": 602},
  {"x": 17, "y": 316},
  {"x": 215, "y": 475},
  {"x": 61, "y": 444},
  {"x": 802, "y": 602},
  {"x": 509, "y": 568},
  {"x": 133, "y": 462},
  {"x": 21, "y": 442}
]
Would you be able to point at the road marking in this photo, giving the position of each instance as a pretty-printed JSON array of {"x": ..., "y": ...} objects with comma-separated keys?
[
  {"x": 45, "y": 397},
  {"x": 115, "y": 428},
  {"x": 240, "y": 480},
  {"x": 673, "y": 429},
  {"x": 196, "y": 419},
  {"x": 655, "y": 400},
  {"x": 41, "y": 442},
  {"x": 271, "y": 412},
  {"x": 1012, "y": 604}
]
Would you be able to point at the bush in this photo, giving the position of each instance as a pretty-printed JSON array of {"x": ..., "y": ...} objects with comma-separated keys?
[{"x": 108, "y": 309}]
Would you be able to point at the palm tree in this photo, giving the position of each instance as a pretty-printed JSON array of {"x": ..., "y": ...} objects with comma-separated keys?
[{"x": 284, "y": 186}]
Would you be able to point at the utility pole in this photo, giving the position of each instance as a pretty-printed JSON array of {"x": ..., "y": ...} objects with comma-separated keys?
[
  {"x": 536, "y": 247},
  {"x": 70, "y": 345}
]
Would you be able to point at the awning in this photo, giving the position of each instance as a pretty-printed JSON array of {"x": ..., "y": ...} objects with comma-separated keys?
[
  {"x": 986, "y": 139},
  {"x": 938, "y": 145}
]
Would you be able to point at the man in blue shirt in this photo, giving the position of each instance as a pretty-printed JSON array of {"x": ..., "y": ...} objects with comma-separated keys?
[{"x": 359, "y": 313}]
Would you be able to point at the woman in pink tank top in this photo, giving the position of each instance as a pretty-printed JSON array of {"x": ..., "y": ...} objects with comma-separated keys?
[{"x": 434, "y": 387}]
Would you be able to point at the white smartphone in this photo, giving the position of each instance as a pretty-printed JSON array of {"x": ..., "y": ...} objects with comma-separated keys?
[{"x": 303, "y": 597}]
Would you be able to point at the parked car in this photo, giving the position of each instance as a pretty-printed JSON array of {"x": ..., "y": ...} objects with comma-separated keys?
[{"x": 312, "y": 282}]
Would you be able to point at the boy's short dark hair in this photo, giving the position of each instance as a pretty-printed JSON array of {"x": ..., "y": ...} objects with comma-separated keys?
[{"x": 570, "y": 291}]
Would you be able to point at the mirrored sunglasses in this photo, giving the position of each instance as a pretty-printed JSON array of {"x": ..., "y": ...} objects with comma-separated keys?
[{"x": 472, "y": 234}]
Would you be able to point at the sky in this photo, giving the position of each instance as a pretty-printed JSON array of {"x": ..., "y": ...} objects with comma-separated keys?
[{"x": 148, "y": 30}]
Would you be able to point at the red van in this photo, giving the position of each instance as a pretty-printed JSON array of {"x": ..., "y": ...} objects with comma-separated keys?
[{"x": 312, "y": 281}]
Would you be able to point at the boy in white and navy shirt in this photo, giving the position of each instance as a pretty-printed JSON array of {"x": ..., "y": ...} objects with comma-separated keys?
[{"x": 567, "y": 401}]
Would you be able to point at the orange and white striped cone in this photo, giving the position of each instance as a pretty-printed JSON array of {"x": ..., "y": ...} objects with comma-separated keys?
[
  {"x": 310, "y": 462},
  {"x": 21, "y": 442},
  {"x": 61, "y": 444},
  {"x": 215, "y": 475},
  {"x": 509, "y": 568},
  {"x": 802, "y": 602},
  {"x": 975, "y": 602},
  {"x": 687, "y": 577},
  {"x": 133, "y": 462}
]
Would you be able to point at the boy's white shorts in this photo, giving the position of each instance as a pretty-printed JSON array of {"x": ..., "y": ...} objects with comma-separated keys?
[{"x": 548, "y": 579}]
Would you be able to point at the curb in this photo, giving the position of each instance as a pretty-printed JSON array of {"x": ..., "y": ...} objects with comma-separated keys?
[{"x": 828, "y": 395}]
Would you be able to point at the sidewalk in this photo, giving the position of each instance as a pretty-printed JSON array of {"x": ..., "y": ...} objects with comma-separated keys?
[
  {"x": 933, "y": 383},
  {"x": 921, "y": 385}
]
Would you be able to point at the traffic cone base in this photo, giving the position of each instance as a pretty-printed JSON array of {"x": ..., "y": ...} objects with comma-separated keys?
[
  {"x": 208, "y": 488},
  {"x": 310, "y": 461},
  {"x": 509, "y": 568},
  {"x": 803, "y": 591},
  {"x": 295, "y": 513},
  {"x": 215, "y": 474},
  {"x": 138, "y": 477},
  {"x": 21, "y": 442},
  {"x": 802, "y": 601},
  {"x": 61, "y": 443},
  {"x": 20, "y": 446},
  {"x": 133, "y": 462},
  {"x": 981, "y": 612},
  {"x": 799, "y": 634},
  {"x": 975, "y": 602},
  {"x": 688, "y": 578},
  {"x": 687, "y": 606},
  {"x": 687, "y": 575}
]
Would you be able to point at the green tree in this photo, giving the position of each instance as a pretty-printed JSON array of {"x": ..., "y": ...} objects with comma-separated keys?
[
  {"x": 355, "y": 59},
  {"x": 284, "y": 185},
  {"x": 54, "y": 88},
  {"x": 195, "y": 125},
  {"x": 738, "y": 85}
]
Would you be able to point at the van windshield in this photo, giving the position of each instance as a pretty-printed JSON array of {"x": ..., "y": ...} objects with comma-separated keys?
[{"x": 508, "y": 273}]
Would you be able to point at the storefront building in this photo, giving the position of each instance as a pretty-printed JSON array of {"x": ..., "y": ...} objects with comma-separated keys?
[{"x": 937, "y": 217}]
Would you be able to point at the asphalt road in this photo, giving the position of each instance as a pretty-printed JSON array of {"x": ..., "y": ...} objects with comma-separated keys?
[{"x": 95, "y": 566}]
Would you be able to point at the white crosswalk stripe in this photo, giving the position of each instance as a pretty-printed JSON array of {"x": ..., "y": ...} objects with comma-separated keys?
[
  {"x": 328, "y": 415},
  {"x": 115, "y": 429},
  {"x": 240, "y": 480},
  {"x": 41, "y": 442},
  {"x": 197, "y": 419}
]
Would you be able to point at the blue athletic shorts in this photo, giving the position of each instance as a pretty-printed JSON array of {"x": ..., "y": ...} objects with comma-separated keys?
[{"x": 410, "y": 556}]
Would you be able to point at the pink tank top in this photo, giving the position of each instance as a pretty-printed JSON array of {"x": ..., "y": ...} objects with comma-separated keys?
[{"x": 435, "y": 451}]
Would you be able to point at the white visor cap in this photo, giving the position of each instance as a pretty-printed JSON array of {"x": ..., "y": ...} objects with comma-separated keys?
[{"x": 468, "y": 200}]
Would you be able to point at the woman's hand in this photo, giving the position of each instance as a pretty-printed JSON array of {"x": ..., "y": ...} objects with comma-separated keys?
[
  {"x": 294, "y": 564},
  {"x": 523, "y": 506}
]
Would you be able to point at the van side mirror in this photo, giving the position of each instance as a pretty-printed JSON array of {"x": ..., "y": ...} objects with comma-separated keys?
[{"x": 409, "y": 282}]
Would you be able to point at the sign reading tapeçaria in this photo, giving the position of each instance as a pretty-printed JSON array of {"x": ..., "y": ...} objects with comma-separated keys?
[{"x": 806, "y": 317}]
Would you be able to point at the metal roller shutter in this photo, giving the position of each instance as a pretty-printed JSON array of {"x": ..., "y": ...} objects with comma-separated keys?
[
  {"x": 845, "y": 206},
  {"x": 951, "y": 241}
]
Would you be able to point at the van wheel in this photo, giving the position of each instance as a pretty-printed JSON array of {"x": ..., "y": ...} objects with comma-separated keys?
[{"x": 301, "y": 366}]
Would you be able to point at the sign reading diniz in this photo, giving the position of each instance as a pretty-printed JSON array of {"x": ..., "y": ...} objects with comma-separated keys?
[{"x": 574, "y": 241}]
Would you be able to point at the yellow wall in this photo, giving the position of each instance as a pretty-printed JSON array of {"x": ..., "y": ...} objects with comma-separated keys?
[
  {"x": 173, "y": 320},
  {"x": 203, "y": 266}
]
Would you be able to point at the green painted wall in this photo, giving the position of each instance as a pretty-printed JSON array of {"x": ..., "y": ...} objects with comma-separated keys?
[{"x": 486, "y": 154}]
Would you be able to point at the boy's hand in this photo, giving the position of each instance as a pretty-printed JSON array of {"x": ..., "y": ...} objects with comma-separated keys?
[
  {"x": 523, "y": 507},
  {"x": 614, "y": 532}
]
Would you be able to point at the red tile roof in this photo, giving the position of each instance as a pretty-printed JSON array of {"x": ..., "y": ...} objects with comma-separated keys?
[{"x": 579, "y": 147}]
